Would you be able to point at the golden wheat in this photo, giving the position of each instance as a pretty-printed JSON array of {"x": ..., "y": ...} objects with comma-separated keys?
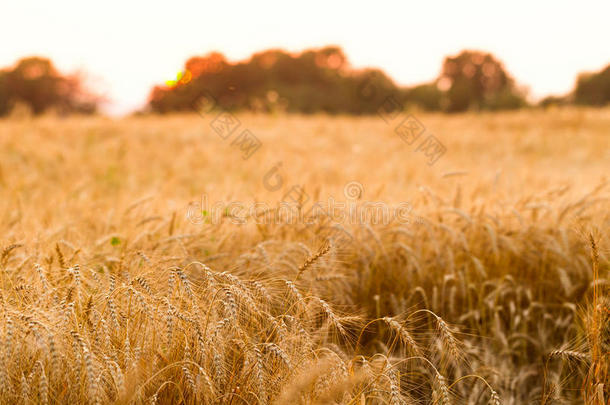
[{"x": 495, "y": 290}]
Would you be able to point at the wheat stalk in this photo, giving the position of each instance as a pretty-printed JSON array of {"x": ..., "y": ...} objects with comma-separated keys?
[{"x": 312, "y": 259}]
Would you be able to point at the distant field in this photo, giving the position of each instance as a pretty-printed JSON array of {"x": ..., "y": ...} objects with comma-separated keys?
[{"x": 120, "y": 285}]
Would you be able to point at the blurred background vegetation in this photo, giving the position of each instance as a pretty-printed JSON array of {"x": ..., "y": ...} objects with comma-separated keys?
[
  {"x": 34, "y": 85},
  {"x": 314, "y": 81}
]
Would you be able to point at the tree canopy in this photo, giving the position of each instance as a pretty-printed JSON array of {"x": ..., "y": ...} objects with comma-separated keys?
[
  {"x": 34, "y": 81},
  {"x": 477, "y": 80},
  {"x": 593, "y": 88},
  {"x": 322, "y": 80}
]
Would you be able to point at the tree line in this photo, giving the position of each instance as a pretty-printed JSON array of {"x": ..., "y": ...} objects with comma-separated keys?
[
  {"x": 313, "y": 81},
  {"x": 322, "y": 80}
]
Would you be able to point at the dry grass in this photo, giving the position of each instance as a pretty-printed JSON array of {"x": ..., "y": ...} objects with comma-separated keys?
[{"x": 498, "y": 293}]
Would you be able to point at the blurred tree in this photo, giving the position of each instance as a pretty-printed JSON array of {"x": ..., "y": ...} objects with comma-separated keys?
[
  {"x": 550, "y": 101},
  {"x": 426, "y": 96},
  {"x": 593, "y": 88},
  {"x": 35, "y": 82},
  {"x": 322, "y": 80},
  {"x": 476, "y": 80},
  {"x": 5, "y": 104},
  {"x": 317, "y": 80}
]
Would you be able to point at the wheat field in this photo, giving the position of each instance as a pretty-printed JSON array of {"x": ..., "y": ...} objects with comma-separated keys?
[{"x": 495, "y": 290}]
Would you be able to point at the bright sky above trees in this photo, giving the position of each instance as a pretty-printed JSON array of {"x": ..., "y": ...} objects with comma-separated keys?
[{"x": 126, "y": 47}]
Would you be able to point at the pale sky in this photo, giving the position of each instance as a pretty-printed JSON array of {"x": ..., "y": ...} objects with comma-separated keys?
[{"x": 126, "y": 47}]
